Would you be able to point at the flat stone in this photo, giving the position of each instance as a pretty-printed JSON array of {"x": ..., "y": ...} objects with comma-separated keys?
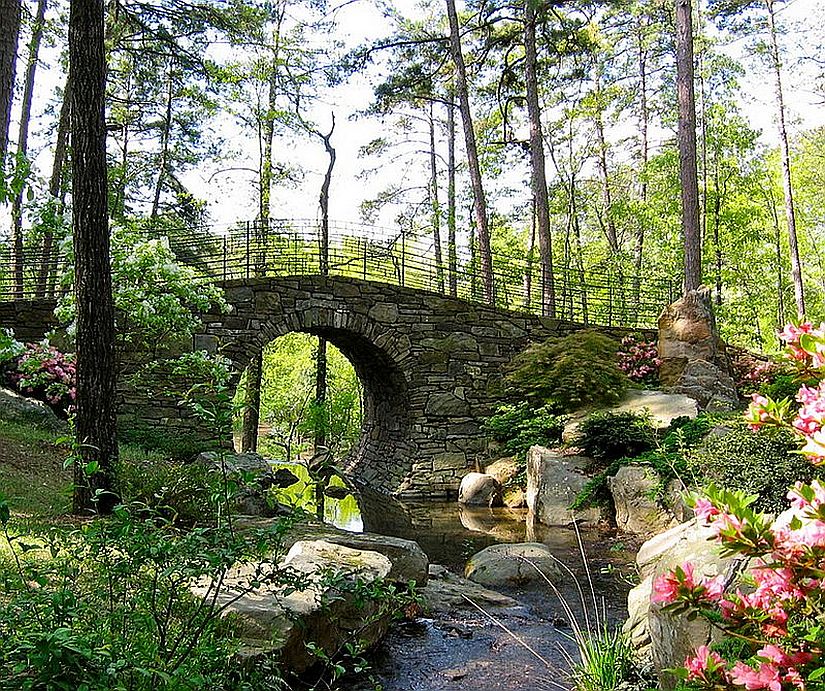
[
  {"x": 514, "y": 564},
  {"x": 27, "y": 411}
]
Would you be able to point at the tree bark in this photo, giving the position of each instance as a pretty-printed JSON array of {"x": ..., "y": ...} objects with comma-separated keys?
[
  {"x": 163, "y": 166},
  {"x": 644, "y": 122},
  {"x": 18, "y": 260},
  {"x": 691, "y": 230},
  {"x": 254, "y": 373},
  {"x": 435, "y": 207},
  {"x": 452, "y": 259},
  {"x": 479, "y": 201},
  {"x": 96, "y": 419},
  {"x": 538, "y": 172},
  {"x": 56, "y": 191},
  {"x": 784, "y": 148},
  {"x": 9, "y": 35}
]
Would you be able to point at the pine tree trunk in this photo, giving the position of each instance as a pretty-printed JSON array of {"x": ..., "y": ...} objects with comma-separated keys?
[
  {"x": 479, "y": 201},
  {"x": 18, "y": 260},
  {"x": 96, "y": 419},
  {"x": 435, "y": 206},
  {"x": 163, "y": 165},
  {"x": 9, "y": 35},
  {"x": 252, "y": 405},
  {"x": 538, "y": 173},
  {"x": 452, "y": 259},
  {"x": 638, "y": 251},
  {"x": 787, "y": 185},
  {"x": 321, "y": 393},
  {"x": 687, "y": 146},
  {"x": 56, "y": 191}
]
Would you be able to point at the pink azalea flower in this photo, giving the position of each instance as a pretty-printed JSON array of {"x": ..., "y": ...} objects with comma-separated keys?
[{"x": 766, "y": 677}]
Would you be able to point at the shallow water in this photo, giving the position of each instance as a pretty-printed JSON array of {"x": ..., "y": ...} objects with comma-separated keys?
[{"x": 469, "y": 650}]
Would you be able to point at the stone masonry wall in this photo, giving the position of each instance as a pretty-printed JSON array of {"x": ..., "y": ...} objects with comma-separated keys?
[{"x": 430, "y": 367}]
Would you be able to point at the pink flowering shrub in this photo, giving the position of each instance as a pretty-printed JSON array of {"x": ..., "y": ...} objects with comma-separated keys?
[
  {"x": 778, "y": 608},
  {"x": 751, "y": 372},
  {"x": 639, "y": 360},
  {"x": 44, "y": 373}
]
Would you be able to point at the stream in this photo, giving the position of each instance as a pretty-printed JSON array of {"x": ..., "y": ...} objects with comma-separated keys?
[{"x": 469, "y": 649}]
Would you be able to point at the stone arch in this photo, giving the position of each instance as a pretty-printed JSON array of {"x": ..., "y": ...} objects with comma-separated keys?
[{"x": 383, "y": 457}]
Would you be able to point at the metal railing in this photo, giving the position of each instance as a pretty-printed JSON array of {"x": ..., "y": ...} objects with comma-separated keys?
[{"x": 290, "y": 247}]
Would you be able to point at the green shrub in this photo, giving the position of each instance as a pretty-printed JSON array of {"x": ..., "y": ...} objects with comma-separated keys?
[
  {"x": 608, "y": 436},
  {"x": 568, "y": 373},
  {"x": 685, "y": 432},
  {"x": 519, "y": 426},
  {"x": 765, "y": 464},
  {"x": 784, "y": 386},
  {"x": 175, "y": 444}
]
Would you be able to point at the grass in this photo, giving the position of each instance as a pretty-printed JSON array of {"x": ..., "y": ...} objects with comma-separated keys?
[{"x": 32, "y": 476}]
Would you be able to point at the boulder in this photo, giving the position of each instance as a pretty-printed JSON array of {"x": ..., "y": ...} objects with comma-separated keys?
[
  {"x": 274, "y": 620},
  {"x": 513, "y": 564},
  {"x": 480, "y": 490},
  {"x": 446, "y": 592},
  {"x": 27, "y": 411},
  {"x": 662, "y": 408},
  {"x": 665, "y": 638},
  {"x": 408, "y": 560},
  {"x": 514, "y": 498},
  {"x": 637, "y": 510},
  {"x": 554, "y": 480},
  {"x": 505, "y": 470},
  {"x": 693, "y": 356}
]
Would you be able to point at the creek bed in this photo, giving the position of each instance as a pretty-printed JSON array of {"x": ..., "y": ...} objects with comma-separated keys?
[{"x": 466, "y": 650}]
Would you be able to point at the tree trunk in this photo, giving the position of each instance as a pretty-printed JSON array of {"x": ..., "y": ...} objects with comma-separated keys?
[
  {"x": 452, "y": 259},
  {"x": 321, "y": 394},
  {"x": 538, "y": 173},
  {"x": 9, "y": 34},
  {"x": 435, "y": 206},
  {"x": 479, "y": 201},
  {"x": 528, "y": 269},
  {"x": 644, "y": 121},
  {"x": 784, "y": 148},
  {"x": 163, "y": 166},
  {"x": 18, "y": 260},
  {"x": 254, "y": 372},
  {"x": 687, "y": 146},
  {"x": 56, "y": 191},
  {"x": 96, "y": 419},
  {"x": 252, "y": 405}
]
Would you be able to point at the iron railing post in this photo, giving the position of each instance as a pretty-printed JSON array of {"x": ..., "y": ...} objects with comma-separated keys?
[
  {"x": 247, "y": 248},
  {"x": 403, "y": 256},
  {"x": 224, "y": 257}
]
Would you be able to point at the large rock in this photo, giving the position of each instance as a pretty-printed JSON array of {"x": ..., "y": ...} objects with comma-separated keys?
[
  {"x": 408, "y": 560},
  {"x": 554, "y": 480},
  {"x": 662, "y": 408},
  {"x": 26, "y": 411},
  {"x": 637, "y": 511},
  {"x": 274, "y": 620},
  {"x": 513, "y": 564},
  {"x": 693, "y": 357},
  {"x": 479, "y": 489},
  {"x": 505, "y": 470},
  {"x": 666, "y": 639},
  {"x": 446, "y": 592}
]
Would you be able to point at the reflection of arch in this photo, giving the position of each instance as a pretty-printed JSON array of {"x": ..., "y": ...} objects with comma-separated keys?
[{"x": 382, "y": 456}]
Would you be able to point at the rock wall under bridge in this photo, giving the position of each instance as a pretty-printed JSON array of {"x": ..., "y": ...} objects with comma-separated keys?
[{"x": 429, "y": 365}]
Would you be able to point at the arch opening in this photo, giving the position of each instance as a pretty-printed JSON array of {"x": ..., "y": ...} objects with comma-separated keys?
[{"x": 379, "y": 458}]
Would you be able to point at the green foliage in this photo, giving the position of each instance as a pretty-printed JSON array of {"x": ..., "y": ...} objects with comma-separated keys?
[
  {"x": 156, "y": 296},
  {"x": 106, "y": 605},
  {"x": 764, "y": 464},
  {"x": 177, "y": 444},
  {"x": 288, "y": 399},
  {"x": 784, "y": 386},
  {"x": 606, "y": 663},
  {"x": 608, "y": 436},
  {"x": 519, "y": 426},
  {"x": 10, "y": 348},
  {"x": 568, "y": 373}
]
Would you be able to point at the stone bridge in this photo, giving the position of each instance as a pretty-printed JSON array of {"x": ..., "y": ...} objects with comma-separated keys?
[{"x": 430, "y": 366}]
